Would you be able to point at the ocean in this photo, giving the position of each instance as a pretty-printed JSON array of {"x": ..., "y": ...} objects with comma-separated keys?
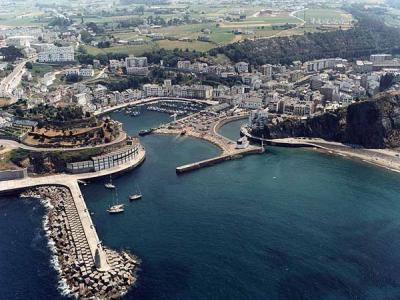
[{"x": 287, "y": 224}]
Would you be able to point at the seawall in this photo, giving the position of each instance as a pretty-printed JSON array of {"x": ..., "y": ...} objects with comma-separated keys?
[{"x": 215, "y": 160}]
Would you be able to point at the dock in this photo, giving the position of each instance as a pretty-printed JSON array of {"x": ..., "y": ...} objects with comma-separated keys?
[{"x": 227, "y": 146}]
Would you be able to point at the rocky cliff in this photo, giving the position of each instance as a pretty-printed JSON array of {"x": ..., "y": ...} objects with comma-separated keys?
[{"x": 372, "y": 124}]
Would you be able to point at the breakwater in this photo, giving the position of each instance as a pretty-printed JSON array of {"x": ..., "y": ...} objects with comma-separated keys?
[
  {"x": 215, "y": 160},
  {"x": 81, "y": 274}
]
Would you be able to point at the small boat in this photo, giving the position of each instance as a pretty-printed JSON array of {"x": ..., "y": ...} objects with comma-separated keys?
[
  {"x": 136, "y": 196},
  {"x": 110, "y": 185},
  {"x": 135, "y": 114},
  {"x": 116, "y": 207},
  {"x": 145, "y": 132}
]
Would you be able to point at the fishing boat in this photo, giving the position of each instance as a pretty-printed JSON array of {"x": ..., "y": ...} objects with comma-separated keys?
[
  {"x": 136, "y": 196},
  {"x": 116, "y": 207},
  {"x": 110, "y": 185}
]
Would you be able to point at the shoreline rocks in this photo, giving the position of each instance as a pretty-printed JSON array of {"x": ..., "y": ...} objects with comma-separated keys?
[{"x": 73, "y": 259}]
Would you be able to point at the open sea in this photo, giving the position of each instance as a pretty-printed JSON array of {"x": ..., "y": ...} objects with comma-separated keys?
[{"x": 288, "y": 224}]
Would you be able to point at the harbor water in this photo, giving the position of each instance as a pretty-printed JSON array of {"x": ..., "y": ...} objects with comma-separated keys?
[{"x": 287, "y": 224}]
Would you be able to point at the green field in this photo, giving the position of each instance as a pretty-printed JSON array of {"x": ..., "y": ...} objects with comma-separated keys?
[{"x": 221, "y": 19}]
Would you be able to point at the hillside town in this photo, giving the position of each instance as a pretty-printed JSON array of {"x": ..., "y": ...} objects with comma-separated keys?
[{"x": 299, "y": 90}]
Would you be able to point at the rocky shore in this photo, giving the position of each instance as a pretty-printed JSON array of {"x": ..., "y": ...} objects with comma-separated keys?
[{"x": 79, "y": 276}]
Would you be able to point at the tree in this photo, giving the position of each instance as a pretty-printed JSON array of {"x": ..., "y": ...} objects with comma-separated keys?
[
  {"x": 86, "y": 37},
  {"x": 11, "y": 53}
]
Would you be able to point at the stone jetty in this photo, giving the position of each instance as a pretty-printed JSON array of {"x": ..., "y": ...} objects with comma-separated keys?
[{"x": 84, "y": 274}]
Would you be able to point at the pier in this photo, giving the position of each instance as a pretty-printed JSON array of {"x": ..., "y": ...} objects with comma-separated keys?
[
  {"x": 205, "y": 125},
  {"x": 90, "y": 269},
  {"x": 215, "y": 160}
]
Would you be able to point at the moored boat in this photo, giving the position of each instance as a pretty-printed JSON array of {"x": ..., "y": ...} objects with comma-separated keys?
[
  {"x": 109, "y": 185},
  {"x": 116, "y": 207}
]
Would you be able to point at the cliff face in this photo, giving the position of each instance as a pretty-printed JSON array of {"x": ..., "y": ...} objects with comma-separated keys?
[{"x": 371, "y": 124}]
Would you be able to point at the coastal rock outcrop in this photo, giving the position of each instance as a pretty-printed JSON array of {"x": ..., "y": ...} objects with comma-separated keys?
[{"x": 372, "y": 124}]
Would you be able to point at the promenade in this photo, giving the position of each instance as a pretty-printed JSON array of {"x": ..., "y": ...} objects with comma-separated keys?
[{"x": 149, "y": 101}]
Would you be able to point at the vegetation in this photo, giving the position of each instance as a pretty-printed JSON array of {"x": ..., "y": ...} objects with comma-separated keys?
[
  {"x": 11, "y": 53},
  {"x": 370, "y": 35}
]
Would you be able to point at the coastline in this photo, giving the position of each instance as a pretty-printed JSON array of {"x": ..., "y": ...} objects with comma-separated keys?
[
  {"x": 388, "y": 159},
  {"x": 383, "y": 158},
  {"x": 373, "y": 156}
]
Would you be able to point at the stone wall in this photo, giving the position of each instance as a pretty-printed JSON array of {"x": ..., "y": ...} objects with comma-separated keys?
[{"x": 12, "y": 174}]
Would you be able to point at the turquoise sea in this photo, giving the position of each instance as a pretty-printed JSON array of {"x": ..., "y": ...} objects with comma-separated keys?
[{"x": 287, "y": 224}]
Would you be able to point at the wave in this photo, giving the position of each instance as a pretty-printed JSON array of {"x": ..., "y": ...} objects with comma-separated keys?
[{"x": 54, "y": 262}]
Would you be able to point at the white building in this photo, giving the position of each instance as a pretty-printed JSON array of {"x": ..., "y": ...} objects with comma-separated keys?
[
  {"x": 56, "y": 54},
  {"x": 21, "y": 41},
  {"x": 322, "y": 64},
  {"x": 153, "y": 90},
  {"x": 86, "y": 72},
  {"x": 136, "y": 65},
  {"x": 380, "y": 58}
]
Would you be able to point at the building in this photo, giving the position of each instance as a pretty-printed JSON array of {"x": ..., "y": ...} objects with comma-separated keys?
[
  {"x": 21, "y": 41},
  {"x": 380, "y": 58},
  {"x": 259, "y": 117},
  {"x": 322, "y": 64},
  {"x": 86, "y": 72},
  {"x": 136, "y": 65},
  {"x": 363, "y": 66},
  {"x": 56, "y": 54},
  {"x": 106, "y": 161},
  {"x": 184, "y": 64},
  {"x": 242, "y": 67},
  {"x": 153, "y": 90},
  {"x": 266, "y": 70}
]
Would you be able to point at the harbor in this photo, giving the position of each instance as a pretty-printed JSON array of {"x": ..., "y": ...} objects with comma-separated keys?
[
  {"x": 87, "y": 268},
  {"x": 205, "y": 125},
  {"x": 233, "y": 209}
]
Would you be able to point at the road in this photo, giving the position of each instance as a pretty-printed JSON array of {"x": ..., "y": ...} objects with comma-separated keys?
[
  {"x": 14, "y": 145},
  {"x": 9, "y": 83}
]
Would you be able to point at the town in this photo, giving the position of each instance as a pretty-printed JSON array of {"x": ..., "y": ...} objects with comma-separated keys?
[{"x": 115, "y": 115}]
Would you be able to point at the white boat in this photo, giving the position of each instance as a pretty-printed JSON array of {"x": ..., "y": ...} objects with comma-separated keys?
[
  {"x": 110, "y": 185},
  {"x": 116, "y": 207},
  {"x": 136, "y": 196}
]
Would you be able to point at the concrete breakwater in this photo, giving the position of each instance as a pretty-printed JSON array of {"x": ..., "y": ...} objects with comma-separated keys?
[
  {"x": 83, "y": 274},
  {"x": 215, "y": 160}
]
